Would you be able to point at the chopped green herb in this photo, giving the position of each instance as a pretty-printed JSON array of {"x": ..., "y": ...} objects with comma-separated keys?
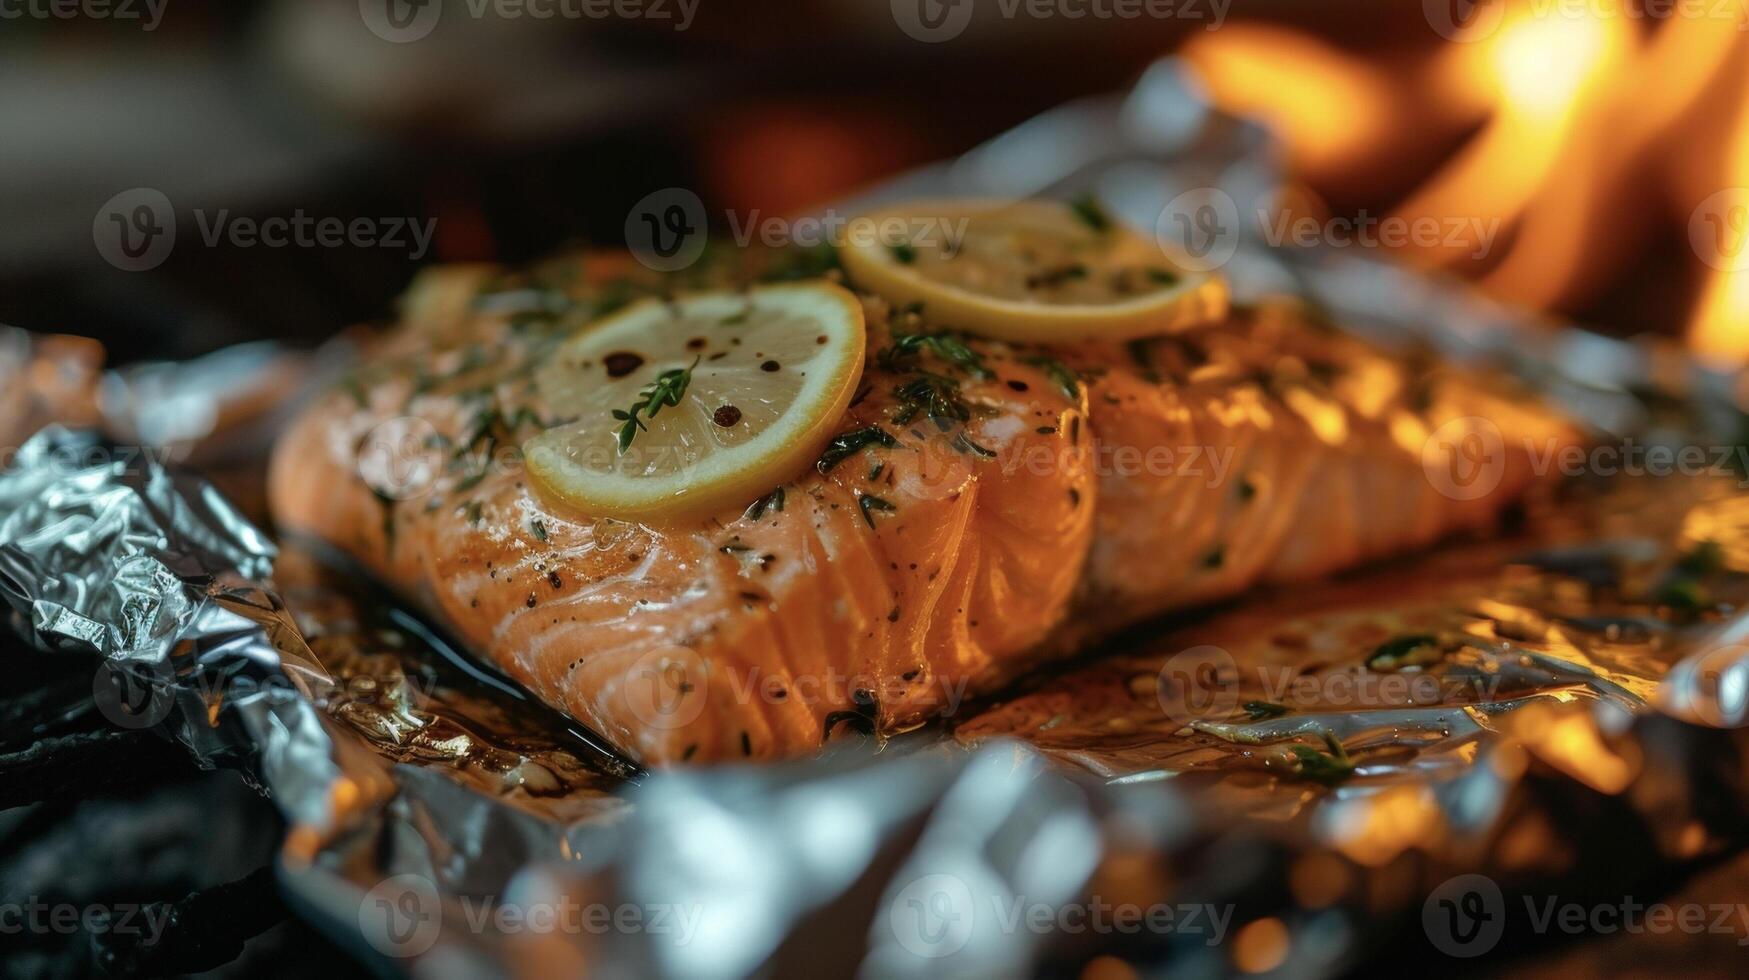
[
  {"x": 934, "y": 396},
  {"x": 1058, "y": 372},
  {"x": 472, "y": 510},
  {"x": 869, "y": 503},
  {"x": 1705, "y": 558},
  {"x": 903, "y": 253},
  {"x": 847, "y": 444},
  {"x": 539, "y": 528},
  {"x": 388, "y": 505},
  {"x": 948, "y": 346},
  {"x": 355, "y": 388},
  {"x": 665, "y": 391},
  {"x": 771, "y": 501},
  {"x": 1330, "y": 768},
  {"x": 1091, "y": 213},
  {"x": 1683, "y": 595},
  {"x": 1142, "y": 352},
  {"x": 964, "y": 444},
  {"x": 808, "y": 263},
  {"x": 469, "y": 482},
  {"x": 1163, "y": 277},
  {"x": 615, "y": 295},
  {"x": 1057, "y": 276},
  {"x": 1260, "y": 710},
  {"x": 1412, "y": 650}
]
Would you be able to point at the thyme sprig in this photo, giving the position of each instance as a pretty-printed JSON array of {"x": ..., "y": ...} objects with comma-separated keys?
[
  {"x": 871, "y": 503},
  {"x": 1065, "y": 377},
  {"x": 932, "y": 395},
  {"x": 664, "y": 392},
  {"x": 1331, "y": 767},
  {"x": 771, "y": 501},
  {"x": 901, "y": 354},
  {"x": 846, "y": 444}
]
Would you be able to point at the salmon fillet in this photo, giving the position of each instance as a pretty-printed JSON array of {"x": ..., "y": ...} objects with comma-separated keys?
[{"x": 1029, "y": 509}]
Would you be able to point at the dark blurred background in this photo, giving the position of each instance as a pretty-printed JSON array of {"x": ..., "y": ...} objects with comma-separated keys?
[{"x": 1596, "y": 133}]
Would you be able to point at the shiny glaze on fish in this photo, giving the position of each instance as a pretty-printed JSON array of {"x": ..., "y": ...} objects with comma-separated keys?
[{"x": 1010, "y": 537}]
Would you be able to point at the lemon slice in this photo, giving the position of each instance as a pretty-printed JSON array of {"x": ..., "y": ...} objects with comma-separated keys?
[
  {"x": 1029, "y": 271},
  {"x": 678, "y": 407}
]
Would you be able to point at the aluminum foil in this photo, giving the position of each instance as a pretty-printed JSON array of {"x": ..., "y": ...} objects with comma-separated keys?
[{"x": 1213, "y": 797}]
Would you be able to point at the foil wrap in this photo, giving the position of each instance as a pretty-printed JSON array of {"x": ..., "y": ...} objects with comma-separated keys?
[{"x": 1217, "y": 795}]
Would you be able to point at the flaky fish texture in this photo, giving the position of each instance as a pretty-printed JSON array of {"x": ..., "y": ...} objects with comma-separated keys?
[{"x": 1028, "y": 501}]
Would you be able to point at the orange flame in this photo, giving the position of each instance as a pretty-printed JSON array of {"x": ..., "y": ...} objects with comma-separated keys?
[{"x": 1596, "y": 131}]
